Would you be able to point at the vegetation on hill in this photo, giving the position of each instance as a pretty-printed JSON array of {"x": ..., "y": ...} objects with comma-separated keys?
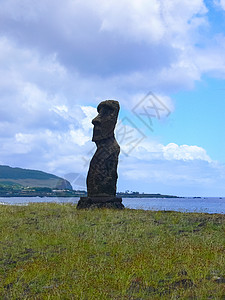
[
  {"x": 53, "y": 251},
  {"x": 31, "y": 178},
  {"x": 15, "y": 190}
]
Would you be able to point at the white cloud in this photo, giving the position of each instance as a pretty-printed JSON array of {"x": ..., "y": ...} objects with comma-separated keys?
[
  {"x": 90, "y": 113},
  {"x": 78, "y": 137},
  {"x": 153, "y": 21},
  {"x": 152, "y": 150},
  {"x": 24, "y": 138},
  {"x": 211, "y": 60},
  {"x": 156, "y": 37},
  {"x": 184, "y": 152},
  {"x": 139, "y": 20},
  {"x": 157, "y": 51},
  {"x": 58, "y": 60},
  {"x": 220, "y": 3},
  {"x": 150, "y": 167},
  {"x": 179, "y": 177}
]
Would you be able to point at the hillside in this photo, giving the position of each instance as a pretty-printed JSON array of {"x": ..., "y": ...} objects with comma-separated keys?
[{"x": 32, "y": 178}]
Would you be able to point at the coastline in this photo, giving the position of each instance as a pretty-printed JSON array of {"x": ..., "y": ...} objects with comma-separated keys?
[{"x": 200, "y": 205}]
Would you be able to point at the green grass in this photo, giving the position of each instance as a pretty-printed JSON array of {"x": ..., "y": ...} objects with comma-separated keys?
[{"x": 53, "y": 251}]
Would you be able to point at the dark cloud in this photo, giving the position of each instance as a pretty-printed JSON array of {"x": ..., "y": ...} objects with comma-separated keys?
[
  {"x": 57, "y": 56},
  {"x": 86, "y": 48}
]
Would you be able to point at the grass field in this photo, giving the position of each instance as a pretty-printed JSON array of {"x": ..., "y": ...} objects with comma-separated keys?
[{"x": 53, "y": 251}]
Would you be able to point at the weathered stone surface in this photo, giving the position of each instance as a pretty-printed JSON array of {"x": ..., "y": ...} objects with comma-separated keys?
[{"x": 102, "y": 175}]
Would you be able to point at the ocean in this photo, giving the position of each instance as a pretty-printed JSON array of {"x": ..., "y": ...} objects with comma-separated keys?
[{"x": 188, "y": 204}]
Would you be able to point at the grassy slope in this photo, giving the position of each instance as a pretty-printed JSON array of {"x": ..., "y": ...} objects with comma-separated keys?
[
  {"x": 53, "y": 251},
  {"x": 52, "y": 183},
  {"x": 26, "y": 177},
  {"x": 19, "y": 173}
]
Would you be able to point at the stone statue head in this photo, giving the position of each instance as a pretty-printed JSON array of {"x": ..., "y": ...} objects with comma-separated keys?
[{"x": 105, "y": 122}]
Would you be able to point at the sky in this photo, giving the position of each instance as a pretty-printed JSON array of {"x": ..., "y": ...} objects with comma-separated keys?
[{"x": 163, "y": 60}]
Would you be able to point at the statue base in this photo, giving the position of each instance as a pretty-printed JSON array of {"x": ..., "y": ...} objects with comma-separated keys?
[{"x": 100, "y": 202}]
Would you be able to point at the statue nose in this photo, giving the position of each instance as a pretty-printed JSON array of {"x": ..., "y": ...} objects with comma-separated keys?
[{"x": 96, "y": 120}]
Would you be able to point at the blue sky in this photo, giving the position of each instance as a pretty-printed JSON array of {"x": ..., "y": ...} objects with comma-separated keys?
[
  {"x": 199, "y": 118},
  {"x": 204, "y": 122},
  {"x": 58, "y": 62}
]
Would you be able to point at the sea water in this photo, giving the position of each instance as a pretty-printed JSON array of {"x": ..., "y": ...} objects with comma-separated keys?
[{"x": 188, "y": 204}]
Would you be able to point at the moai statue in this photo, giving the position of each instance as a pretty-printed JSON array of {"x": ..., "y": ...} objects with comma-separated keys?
[{"x": 102, "y": 175}]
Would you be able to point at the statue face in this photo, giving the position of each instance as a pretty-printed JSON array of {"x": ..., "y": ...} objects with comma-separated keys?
[{"x": 105, "y": 122}]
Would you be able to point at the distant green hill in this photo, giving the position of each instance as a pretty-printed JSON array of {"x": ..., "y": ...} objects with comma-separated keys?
[{"x": 32, "y": 178}]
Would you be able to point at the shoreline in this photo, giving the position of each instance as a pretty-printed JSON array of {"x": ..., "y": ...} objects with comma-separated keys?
[{"x": 128, "y": 206}]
